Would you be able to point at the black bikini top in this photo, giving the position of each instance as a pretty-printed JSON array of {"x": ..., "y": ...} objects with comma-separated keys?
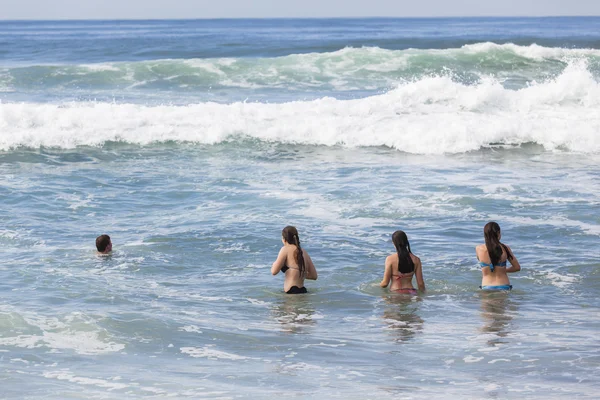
[{"x": 285, "y": 268}]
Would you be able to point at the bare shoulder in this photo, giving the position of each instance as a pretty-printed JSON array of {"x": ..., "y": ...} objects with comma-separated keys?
[
  {"x": 510, "y": 250},
  {"x": 481, "y": 248},
  {"x": 285, "y": 250}
]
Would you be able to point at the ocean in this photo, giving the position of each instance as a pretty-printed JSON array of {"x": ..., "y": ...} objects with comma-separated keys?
[{"x": 193, "y": 143}]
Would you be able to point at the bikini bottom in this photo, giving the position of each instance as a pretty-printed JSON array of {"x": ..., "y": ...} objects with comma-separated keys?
[
  {"x": 405, "y": 291},
  {"x": 297, "y": 290},
  {"x": 498, "y": 287}
]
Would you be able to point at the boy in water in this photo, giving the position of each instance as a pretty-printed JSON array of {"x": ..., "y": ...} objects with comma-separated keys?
[{"x": 103, "y": 245}]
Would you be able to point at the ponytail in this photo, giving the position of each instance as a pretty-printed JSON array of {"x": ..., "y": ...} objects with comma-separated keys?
[{"x": 300, "y": 257}]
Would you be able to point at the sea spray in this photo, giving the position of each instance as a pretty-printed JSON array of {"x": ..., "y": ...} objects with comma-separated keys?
[{"x": 432, "y": 115}]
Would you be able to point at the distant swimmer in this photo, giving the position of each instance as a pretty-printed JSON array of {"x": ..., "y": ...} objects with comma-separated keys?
[
  {"x": 103, "y": 245},
  {"x": 294, "y": 262},
  {"x": 402, "y": 266},
  {"x": 492, "y": 257}
]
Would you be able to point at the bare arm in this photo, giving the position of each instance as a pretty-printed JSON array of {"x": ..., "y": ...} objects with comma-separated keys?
[
  {"x": 311, "y": 271},
  {"x": 514, "y": 263},
  {"x": 477, "y": 251},
  {"x": 419, "y": 275},
  {"x": 280, "y": 262},
  {"x": 387, "y": 273}
]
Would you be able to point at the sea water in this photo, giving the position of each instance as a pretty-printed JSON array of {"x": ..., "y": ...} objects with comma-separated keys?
[{"x": 193, "y": 143}]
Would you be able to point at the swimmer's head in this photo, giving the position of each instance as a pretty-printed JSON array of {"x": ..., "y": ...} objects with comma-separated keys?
[
  {"x": 290, "y": 235},
  {"x": 492, "y": 230},
  {"x": 103, "y": 244},
  {"x": 400, "y": 239}
]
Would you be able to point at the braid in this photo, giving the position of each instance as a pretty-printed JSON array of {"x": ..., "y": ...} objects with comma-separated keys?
[{"x": 300, "y": 256}]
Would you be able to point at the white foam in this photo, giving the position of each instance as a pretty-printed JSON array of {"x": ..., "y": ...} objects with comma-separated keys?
[
  {"x": 87, "y": 343},
  {"x": 233, "y": 248},
  {"x": 190, "y": 328},
  {"x": 433, "y": 115},
  {"x": 210, "y": 353},
  {"x": 60, "y": 335},
  {"x": 302, "y": 366},
  {"x": 306, "y": 346},
  {"x": 76, "y": 202},
  {"x": 561, "y": 280},
  {"x": 101, "y": 67},
  {"x": 472, "y": 359},
  {"x": 556, "y": 221},
  {"x": 211, "y": 65},
  {"x": 533, "y": 51},
  {"x": 488, "y": 349},
  {"x": 67, "y": 376},
  {"x": 499, "y": 360},
  {"x": 257, "y": 302}
]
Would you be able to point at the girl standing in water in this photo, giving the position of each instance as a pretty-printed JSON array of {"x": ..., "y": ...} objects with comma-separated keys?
[
  {"x": 492, "y": 258},
  {"x": 402, "y": 266},
  {"x": 294, "y": 262}
]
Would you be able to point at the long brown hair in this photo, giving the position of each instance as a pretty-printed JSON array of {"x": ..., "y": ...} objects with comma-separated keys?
[
  {"x": 290, "y": 235},
  {"x": 405, "y": 262},
  {"x": 491, "y": 233}
]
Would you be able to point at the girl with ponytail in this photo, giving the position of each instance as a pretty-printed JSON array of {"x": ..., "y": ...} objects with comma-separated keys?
[
  {"x": 402, "y": 266},
  {"x": 492, "y": 257},
  {"x": 294, "y": 262}
]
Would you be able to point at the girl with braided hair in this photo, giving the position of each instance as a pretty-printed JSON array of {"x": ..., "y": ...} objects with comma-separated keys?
[
  {"x": 401, "y": 266},
  {"x": 294, "y": 262}
]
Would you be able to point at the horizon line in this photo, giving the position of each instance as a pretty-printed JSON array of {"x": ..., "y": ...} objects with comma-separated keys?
[{"x": 294, "y": 18}]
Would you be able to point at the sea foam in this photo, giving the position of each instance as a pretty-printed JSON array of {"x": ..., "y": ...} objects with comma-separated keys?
[{"x": 431, "y": 115}]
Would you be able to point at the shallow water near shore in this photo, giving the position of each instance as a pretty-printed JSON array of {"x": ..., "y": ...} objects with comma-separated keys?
[{"x": 186, "y": 305}]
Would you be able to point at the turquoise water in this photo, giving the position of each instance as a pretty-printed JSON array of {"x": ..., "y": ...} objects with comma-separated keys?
[{"x": 195, "y": 187}]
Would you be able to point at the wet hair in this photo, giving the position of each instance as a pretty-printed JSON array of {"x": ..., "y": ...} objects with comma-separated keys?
[
  {"x": 290, "y": 235},
  {"x": 405, "y": 262},
  {"x": 491, "y": 233},
  {"x": 102, "y": 243}
]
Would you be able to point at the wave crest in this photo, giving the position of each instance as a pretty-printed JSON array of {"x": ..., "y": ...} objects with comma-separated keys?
[
  {"x": 366, "y": 68},
  {"x": 431, "y": 115}
]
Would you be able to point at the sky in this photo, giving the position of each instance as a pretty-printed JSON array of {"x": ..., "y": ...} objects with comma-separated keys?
[{"x": 166, "y": 9}]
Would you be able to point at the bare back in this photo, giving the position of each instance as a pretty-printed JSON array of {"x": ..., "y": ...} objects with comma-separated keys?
[
  {"x": 287, "y": 258},
  {"x": 400, "y": 280},
  {"x": 495, "y": 275}
]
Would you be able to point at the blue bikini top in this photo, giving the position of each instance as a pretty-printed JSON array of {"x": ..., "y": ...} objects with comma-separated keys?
[{"x": 502, "y": 264}]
